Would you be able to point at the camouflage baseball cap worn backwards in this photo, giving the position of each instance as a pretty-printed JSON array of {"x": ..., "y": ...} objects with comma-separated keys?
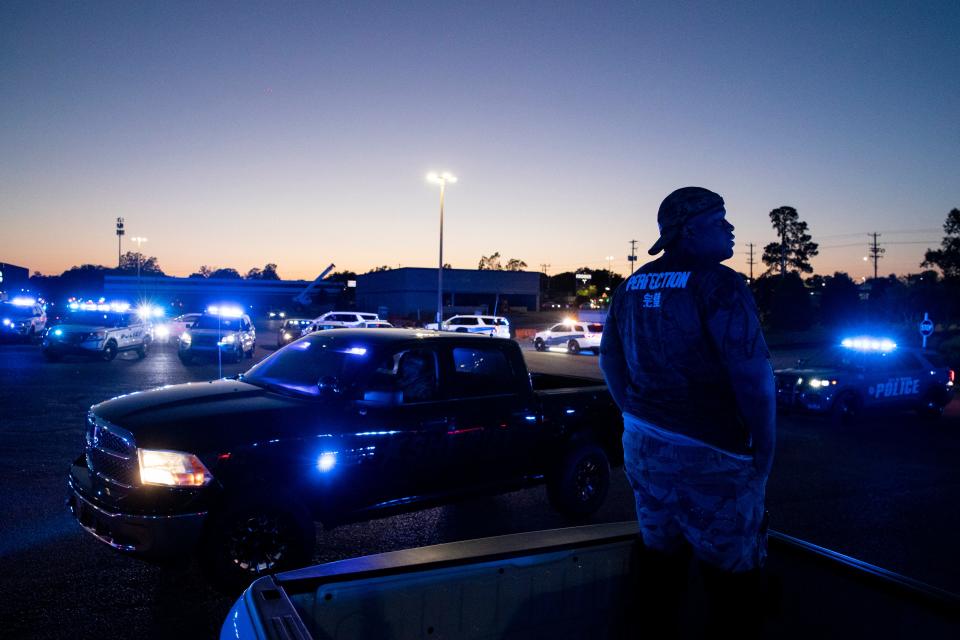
[{"x": 680, "y": 206}]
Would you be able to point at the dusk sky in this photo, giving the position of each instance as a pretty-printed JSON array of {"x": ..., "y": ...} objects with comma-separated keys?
[{"x": 236, "y": 134}]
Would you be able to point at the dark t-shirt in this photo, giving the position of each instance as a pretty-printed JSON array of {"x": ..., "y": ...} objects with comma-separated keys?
[{"x": 678, "y": 325}]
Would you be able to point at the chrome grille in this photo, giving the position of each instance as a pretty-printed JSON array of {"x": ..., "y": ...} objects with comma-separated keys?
[{"x": 111, "y": 452}]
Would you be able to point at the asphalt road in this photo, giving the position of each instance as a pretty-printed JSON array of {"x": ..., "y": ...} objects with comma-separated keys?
[{"x": 885, "y": 491}]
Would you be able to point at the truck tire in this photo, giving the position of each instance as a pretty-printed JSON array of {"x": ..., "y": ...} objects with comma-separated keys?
[
  {"x": 573, "y": 347},
  {"x": 142, "y": 350},
  {"x": 847, "y": 408},
  {"x": 255, "y": 537},
  {"x": 109, "y": 351},
  {"x": 539, "y": 344},
  {"x": 580, "y": 482}
]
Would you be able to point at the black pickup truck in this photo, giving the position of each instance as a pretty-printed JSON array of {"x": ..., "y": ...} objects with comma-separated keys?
[{"x": 338, "y": 426}]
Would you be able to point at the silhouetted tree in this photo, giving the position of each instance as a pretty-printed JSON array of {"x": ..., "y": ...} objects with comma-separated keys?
[
  {"x": 148, "y": 266},
  {"x": 227, "y": 273},
  {"x": 795, "y": 248},
  {"x": 947, "y": 257},
  {"x": 839, "y": 304},
  {"x": 203, "y": 272}
]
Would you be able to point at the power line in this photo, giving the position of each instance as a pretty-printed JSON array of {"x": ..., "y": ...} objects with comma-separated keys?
[
  {"x": 750, "y": 260},
  {"x": 633, "y": 255}
]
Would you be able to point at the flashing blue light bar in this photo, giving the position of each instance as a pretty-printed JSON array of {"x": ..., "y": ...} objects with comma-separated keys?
[
  {"x": 326, "y": 461},
  {"x": 356, "y": 351},
  {"x": 23, "y": 301},
  {"x": 881, "y": 345},
  {"x": 225, "y": 311}
]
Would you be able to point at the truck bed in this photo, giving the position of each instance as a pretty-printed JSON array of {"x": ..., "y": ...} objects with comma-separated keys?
[{"x": 569, "y": 583}]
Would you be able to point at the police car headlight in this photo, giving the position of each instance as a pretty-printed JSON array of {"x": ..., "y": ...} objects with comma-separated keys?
[
  {"x": 817, "y": 383},
  {"x": 185, "y": 339},
  {"x": 161, "y": 331},
  {"x": 230, "y": 339},
  {"x": 172, "y": 469},
  {"x": 287, "y": 336},
  {"x": 96, "y": 335}
]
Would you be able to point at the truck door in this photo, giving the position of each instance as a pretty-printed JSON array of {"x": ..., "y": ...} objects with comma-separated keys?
[
  {"x": 493, "y": 427},
  {"x": 401, "y": 419}
]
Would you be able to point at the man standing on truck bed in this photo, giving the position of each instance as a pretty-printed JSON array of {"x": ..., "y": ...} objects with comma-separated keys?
[{"x": 686, "y": 362}]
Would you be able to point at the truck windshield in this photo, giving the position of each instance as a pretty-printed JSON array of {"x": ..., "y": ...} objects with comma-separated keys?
[{"x": 300, "y": 367}]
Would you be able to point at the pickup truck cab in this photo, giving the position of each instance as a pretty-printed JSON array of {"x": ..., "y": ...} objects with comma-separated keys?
[
  {"x": 96, "y": 333},
  {"x": 232, "y": 334},
  {"x": 338, "y": 426}
]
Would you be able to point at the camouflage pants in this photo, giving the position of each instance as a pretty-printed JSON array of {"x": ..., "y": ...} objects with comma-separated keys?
[{"x": 687, "y": 490}]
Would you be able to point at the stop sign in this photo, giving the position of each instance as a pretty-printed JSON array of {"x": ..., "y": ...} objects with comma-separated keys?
[{"x": 926, "y": 326}]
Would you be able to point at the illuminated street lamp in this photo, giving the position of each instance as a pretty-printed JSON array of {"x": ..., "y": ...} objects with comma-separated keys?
[
  {"x": 441, "y": 179},
  {"x": 139, "y": 240},
  {"x": 609, "y": 264}
]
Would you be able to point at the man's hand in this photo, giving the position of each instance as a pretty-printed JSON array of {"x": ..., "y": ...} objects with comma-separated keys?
[{"x": 753, "y": 386}]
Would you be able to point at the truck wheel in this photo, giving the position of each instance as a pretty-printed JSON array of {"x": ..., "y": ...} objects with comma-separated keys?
[
  {"x": 109, "y": 351},
  {"x": 249, "y": 539},
  {"x": 573, "y": 347},
  {"x": 579, "y": 485},
  {"x": 847, "y": 407},
  {"x": 932, "y": 409},
  {"x": 142, "y": 350},
  {"x": 539, "y": 344}
]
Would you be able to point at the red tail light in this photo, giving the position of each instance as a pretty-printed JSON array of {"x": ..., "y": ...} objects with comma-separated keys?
[{"x": 952, "y": 375}]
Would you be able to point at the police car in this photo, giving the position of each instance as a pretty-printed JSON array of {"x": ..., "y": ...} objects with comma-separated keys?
[
  {"x": 222, "y": 329},
  {"x": 22, "y": 318},
  {"x": 291, "y": 329},
  {"x": 570, "y": 336},
  {"x": 343, "y": 319},
  {"x": 496, "y": 326},
  {"x": 97, "y": 330},
  {"x": 867, "y": 373}
]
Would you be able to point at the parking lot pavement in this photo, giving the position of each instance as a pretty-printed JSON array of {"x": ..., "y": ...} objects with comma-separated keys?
[{"x": 884, "y": 491}]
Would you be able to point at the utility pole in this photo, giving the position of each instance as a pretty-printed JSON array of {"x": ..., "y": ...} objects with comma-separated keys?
[
  {"x": 750, "y": 260},
  {"x": 543, "y": 268},
  {"x": 876, "y": 252},
  {"x": 119, "y": 237},
  {"x": 633, "y": 255}
]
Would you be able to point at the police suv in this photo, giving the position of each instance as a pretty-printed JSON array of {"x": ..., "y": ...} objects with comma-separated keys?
[
  {"x": 224, "y": 330},
  {"x": 99, "y": 331},
  {"x": 497, "y": 326},
  {"x": 22, "y": 318},
  {"x": 570, "y": 336},
  {"x": 867, "y": 373}
]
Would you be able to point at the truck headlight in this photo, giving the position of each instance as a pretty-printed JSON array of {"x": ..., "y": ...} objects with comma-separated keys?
[
  {"x": 172, "y": 469},
  {"x": 229, "y": 339},
  {"x": 185, "y": 339}
]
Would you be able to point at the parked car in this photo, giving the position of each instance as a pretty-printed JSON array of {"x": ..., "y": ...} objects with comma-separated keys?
[
  {"x": 344, "y": 319},
  {"x": 570, "y": 336},
  {"x": 486, "y": 325},
  {"x": 227, "y": 331},
  {"x": 339, "y": 426},
  {"x": 291, "y": 329},
  {"x": 862, "y": 374}
]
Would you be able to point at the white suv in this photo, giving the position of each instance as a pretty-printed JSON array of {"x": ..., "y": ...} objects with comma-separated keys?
[
  {"x": 97, "y": 331},
  {"x": 333, "y": 319},
  {"x": 570, "y": 336},
  {"x": 496, "y": 326},
  {"x": 22, "y": 319}
]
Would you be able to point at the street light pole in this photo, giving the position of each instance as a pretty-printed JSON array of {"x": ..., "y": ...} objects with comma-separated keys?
[
  {"x": 442, "y": 179},
  {"x": 139, "y": 240}
]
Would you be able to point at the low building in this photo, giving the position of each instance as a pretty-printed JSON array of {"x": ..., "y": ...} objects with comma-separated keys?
[
  {"x": 411, "y": 292},
  {"x": 192, "y": 294},
  {"x": 13, "y": 278}
]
